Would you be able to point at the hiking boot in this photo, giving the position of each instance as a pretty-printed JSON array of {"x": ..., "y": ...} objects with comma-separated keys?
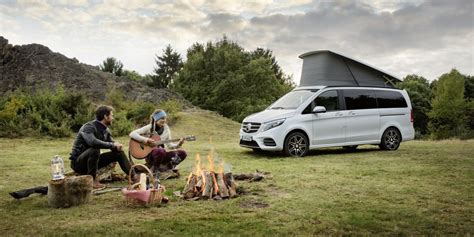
[{"x": 98, "y": 185}]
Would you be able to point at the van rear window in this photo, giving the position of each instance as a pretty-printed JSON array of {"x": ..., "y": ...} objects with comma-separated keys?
[
  {"x": 390, "y": 99},
  {"x": 360, "y": 99}
]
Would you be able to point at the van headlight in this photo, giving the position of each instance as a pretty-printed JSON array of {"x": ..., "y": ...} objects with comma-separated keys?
[{"x": 271, "y": 124}]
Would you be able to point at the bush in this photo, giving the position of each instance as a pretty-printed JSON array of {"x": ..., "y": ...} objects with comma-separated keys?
[
  {"x": 59, "y": 113},
  {"x": 43, "y": 112},
  {"x": 121, "y": 125},
  {"x": 140, "y": 112}
]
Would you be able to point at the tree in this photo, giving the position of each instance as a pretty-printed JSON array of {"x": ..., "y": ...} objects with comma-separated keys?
[
  {"x": 418, "y": 89},
  {"x": 469, "y": 87},
  {"x": 168, "y": 66},
  {"x": 223, "y": 77},
  {"x": 112, "y": 65},
  {"x": 266, "y": 53},
  {"x": 448, "y": 116},
  {"x": 469, "y": 96}
]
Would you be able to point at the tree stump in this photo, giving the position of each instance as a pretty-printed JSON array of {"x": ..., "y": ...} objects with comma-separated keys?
[{"x": 70, "y": 191}]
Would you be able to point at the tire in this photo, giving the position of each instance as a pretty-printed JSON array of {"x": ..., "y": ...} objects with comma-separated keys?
[
  {"x": 391, "y": 139},
  {"x": 350, "y": 148},
  {"x": 296, "y": 144}
]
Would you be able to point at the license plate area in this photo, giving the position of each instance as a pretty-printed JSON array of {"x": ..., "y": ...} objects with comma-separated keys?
[{"x": 247, "y": 138}]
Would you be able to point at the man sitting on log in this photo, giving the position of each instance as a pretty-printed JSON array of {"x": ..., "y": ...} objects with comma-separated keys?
[{"x": 93, "y": 136}]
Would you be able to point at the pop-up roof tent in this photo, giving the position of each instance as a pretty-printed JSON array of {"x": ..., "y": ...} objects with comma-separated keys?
[{"x": 327, "y": 68}]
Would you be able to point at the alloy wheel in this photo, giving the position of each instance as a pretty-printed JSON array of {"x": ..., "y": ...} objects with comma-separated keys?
[
  {"x": 297, "y": 145},
  {"x": 391, "y": 139}
]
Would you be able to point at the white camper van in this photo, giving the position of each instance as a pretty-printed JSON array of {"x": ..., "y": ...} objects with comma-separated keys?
[
  {"x": 356, "y": 105},
  {"x": 313, "y": 117}
]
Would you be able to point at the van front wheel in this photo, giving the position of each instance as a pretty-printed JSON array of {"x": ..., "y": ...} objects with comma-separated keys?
[
  {"x": 296, "y": 144},
  {"x": 391, "y": 139}
]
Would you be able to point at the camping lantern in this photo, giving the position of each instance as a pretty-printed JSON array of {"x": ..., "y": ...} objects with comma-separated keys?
[{"x": 57, "y": 168}]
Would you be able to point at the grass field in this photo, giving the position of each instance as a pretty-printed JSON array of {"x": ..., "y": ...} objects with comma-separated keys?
[{"x": 424, "y": 188}]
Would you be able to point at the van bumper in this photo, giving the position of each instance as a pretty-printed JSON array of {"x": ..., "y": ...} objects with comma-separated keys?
[{"x": 270, "y": 140}]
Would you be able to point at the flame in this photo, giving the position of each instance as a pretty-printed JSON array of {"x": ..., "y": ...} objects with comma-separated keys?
[
  {"x": 211, "y": 162},
  {"x": 189, "y": 178},
  {"x": 220, "y": 169}
]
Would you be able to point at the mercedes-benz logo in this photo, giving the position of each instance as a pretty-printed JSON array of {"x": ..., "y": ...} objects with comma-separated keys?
[{"x": 247, "y": 127}]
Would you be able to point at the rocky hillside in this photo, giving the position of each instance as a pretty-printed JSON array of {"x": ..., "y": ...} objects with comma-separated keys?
[{"x": 36, "y": 66}]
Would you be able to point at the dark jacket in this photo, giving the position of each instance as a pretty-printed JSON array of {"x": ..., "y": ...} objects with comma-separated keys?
[{"x": 92, "y": 134}]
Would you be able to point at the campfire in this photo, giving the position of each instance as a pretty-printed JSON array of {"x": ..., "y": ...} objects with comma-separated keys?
[{"x": 209, "y": 184}]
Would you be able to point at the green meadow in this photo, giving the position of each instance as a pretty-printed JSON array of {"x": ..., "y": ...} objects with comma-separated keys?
[{"x": 424, "y": 188}]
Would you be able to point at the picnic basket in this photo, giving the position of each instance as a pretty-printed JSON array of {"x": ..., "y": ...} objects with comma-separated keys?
[{"x": 135, "y": 197}]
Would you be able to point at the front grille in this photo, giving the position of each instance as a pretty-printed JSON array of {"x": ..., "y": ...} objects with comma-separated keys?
[
  {"x": 250, "y": 127},
  {"x": 252, "y": 144},
  {"x": 269, "y": 142}
]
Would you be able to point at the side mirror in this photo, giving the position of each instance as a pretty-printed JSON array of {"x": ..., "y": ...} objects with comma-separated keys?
[{"x": 319, "y": 109}]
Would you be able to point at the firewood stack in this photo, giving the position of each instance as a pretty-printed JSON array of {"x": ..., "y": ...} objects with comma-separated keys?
[
  {"x": 207, "y": 184},
  {"x": 210, "y": 185}
]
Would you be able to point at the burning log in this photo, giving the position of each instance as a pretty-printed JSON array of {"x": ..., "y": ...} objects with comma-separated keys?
[
  {"x": 208, "y": 187},
  {"x": 208, "y": 184},
  {"x": 190, "y": 187},
  {"x": 223, "y": 191},
  {"x": 214, "y": 182},
  {"x": 229, "y": 181}
]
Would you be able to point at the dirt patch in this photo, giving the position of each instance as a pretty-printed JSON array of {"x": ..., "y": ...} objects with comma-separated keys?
[{"x": 253, "y": 204}]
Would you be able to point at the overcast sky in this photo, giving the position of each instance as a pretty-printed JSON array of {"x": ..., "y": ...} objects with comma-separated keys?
[{"x": 427, "y": 38}]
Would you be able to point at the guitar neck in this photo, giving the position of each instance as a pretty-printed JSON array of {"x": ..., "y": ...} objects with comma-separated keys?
[{"x": 166, "y": 141}]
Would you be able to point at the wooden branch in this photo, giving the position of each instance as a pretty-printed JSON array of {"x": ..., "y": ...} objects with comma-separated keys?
[{"x": 257, "y": 176}]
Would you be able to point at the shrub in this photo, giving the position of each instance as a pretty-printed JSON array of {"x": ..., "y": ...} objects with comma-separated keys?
[
  {"x": 43, "y": 112},
  {"x": 140, "y": 112},
  {"x": 121, "y": 126}
]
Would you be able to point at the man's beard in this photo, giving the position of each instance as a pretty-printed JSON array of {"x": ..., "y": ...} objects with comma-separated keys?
[{"x": 108, "y": 123}]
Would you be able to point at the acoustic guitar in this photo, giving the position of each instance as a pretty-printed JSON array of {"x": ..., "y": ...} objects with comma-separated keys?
[{"x": 141, "y": 150}]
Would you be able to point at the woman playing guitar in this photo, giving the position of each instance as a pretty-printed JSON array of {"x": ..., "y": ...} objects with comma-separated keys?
[{"x": 159, "y": 159}]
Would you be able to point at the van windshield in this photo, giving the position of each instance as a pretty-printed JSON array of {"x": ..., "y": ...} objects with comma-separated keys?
[{"x": 293, "y": 99}]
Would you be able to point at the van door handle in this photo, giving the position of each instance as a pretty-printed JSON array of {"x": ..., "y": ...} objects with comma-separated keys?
[
  {"x": 352, "y": 113},
  {"x": 338, "y": 114}
]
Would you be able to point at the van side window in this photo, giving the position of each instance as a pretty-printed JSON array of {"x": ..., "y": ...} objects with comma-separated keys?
[
  {"x": 329, "y": 100},
  {"x": 360, "y": 99},
  {"x": 390, "y": 99}
]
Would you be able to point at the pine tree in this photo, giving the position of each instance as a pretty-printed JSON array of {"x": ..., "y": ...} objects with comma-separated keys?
[{"x": 168, "y": 66}]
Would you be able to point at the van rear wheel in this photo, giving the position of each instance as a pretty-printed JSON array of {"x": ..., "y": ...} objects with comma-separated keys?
[
  {"x": 296, "y": 144},
  {"x": 391, "y": 139}
]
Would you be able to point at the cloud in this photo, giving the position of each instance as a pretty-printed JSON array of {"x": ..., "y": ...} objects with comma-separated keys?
[
  {"x": 423, "y": 37},
  {"x": 412, "y": 33},
  {"x": 73, "y": 3}
]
